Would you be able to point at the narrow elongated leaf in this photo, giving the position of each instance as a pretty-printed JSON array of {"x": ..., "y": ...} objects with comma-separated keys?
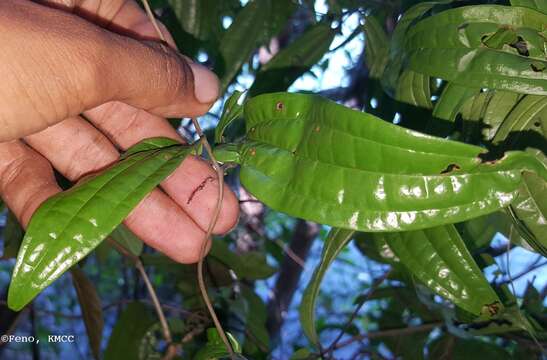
[
  {"x": 254, "y": 25},
  {"x": 498, "y": 108},
  {"x": 529, "y": 116},
  {"x": 396, "y": 46},
  {"x": 69, "y": 225},
  {"x": 232, "y": 110},
  {"x": 451, "y": 45},
  {"x": 293, "y": 61},
  {"x": 313, "y": 159},
  {"x": 376, "y": 47},
  {"x": 92, "y": 312},
  {"x": 439, "y": 259},
  {"x": 530, "y": 212},
  {"x": 334, "y": 243},
  {"x": 127, "y": 335},
  {"x": 451, "y": 100},
  {"x": 414, "y": 89}
]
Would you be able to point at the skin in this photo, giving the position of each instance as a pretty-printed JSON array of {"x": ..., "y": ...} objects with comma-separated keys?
[{"x": 83, "y": 80}]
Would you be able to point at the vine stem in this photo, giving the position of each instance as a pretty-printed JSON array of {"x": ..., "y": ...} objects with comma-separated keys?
[
  {"x": 220, "y": 176},
  {"x": 171, "y": 349}
]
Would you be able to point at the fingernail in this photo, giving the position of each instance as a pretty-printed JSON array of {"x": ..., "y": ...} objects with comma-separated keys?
[{"x": 206, "y": 84}]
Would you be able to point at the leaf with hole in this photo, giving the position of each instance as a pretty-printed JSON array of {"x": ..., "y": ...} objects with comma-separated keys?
[
  {"x": 450, "y": 45},
  {"x": 439, "y": 259},
  {"x": 313, "y": 159}
]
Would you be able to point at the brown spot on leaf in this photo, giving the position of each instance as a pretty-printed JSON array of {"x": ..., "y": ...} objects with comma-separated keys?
[
  {"x": 492, "y": 308},
  {"x": 451, "y": 168},
  {"x": 279, "y": 106},
  {"x": 317, "y": 128},
  {"x": 253, "y": 152}
]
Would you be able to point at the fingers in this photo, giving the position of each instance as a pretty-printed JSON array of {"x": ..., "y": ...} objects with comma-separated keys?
[
  {"x": 76, "y": 148},
  {"x": 193, "y": 185},
  {"x": 69, "y": 65},
  {"x": 26, "y": 179}
]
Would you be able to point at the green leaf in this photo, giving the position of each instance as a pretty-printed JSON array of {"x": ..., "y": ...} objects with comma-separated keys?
[
  {"x": 449, "y": 104},
  {"x": 313, "y": 159},
  {"x": 334, "y": 244},
  {"x": 198, "y": 17},
  {"x": 127, "y": 335},
  {"x": 215, "y": 348},
  {"x": 250, "y": 265},
  {"x": 439, "y": 259},
  {"x": 232, "y": 111},
  {"x": 68, "y": 226},
  {"x": 529, "y": 211},
  {"x": 125, "y": 237},
  {"x": 293, "y": 61},
  {"x": 396, "y": 46},
  {"x": 414, "y": 89},
  {"x": 376, "y": 47},
  {"x": 253, "y": 26},
  {"x": 498, "y": 108},
  {"x": 527, "y": 117},
  {"x": 92, "y": 312},
  {"x": 13, "y": 236},
  {"x": 539, "y": 5},
  {"x": 450, "y": 46}
]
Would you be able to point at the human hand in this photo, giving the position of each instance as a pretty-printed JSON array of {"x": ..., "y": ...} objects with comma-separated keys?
[{"x": 56, "y": 66}]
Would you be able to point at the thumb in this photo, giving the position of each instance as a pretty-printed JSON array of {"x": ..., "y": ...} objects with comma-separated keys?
[{"x": 154, "y": 77}]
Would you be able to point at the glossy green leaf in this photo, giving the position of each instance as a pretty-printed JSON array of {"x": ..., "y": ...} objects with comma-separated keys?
[
  {"x": 439, "y": 259},
  {"x": 253, "y": 26},
  {"x": 293, "y": 61},
  {"x": 396, "y": 56},
  {"x": 449, "y": 104},
  {"x": 128, "y": 333},
  {"x": 450, "y": 46},
  {"x": 313, "y": 159},
  {"x": 413, "y": 88},
  {"x": 376, "y": 47},
  {"x": 334, "y": 244},
  {"x": 232, "y": 111},
  {"x": 215, "y": 348},
  {"x": 68, "y": 226},
  {"x": 539, "y": 5},
  {"x": 12, "y": 236},
  {"x": 92, "y": 312}
]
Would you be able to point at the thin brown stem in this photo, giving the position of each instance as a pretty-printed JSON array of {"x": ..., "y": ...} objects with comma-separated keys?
[
  {"x": 214, "y": 219},
  {"x": 171, "y": 349}
]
